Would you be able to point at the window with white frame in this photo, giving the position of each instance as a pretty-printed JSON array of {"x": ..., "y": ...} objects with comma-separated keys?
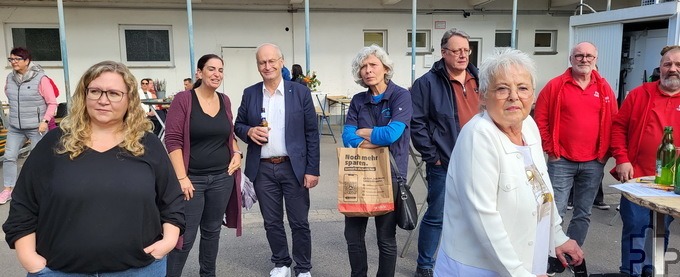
[
  {"x": 41, "y": 39},
  {"x": 545, "y": 41},
  {"x": 377, "y": 37},
  {"x": 503, "y": 38},
  {"x": 423, "y": 44},
  {"x": 146, "y": 45}
]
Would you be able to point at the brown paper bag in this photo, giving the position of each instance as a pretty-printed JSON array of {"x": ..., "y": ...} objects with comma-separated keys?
[{"x": 364, "y": 182}]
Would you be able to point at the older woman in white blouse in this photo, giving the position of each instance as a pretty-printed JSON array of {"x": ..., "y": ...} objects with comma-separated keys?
[{"x": 500, "y": 218}]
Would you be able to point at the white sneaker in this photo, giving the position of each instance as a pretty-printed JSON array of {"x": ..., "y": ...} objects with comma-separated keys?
[
  {"x": 282, "y": 271},
  {"x": 306, "y": 274}
]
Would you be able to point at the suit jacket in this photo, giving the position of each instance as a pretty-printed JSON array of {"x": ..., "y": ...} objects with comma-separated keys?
[{"x": 302, "y": 133}]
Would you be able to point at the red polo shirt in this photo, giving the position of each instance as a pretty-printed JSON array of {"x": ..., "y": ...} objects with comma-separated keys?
[
  {"x": 665, "y": 111},
  {"x": 580, "y": 121}
]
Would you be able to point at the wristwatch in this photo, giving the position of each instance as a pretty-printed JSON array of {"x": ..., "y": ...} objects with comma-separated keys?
[
  {"x": 46, "y": 121},
  {"x": 239, "y": 152}
]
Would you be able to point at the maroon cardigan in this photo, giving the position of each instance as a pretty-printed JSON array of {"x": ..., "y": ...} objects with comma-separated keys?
[{"x": 177, "y": 137}]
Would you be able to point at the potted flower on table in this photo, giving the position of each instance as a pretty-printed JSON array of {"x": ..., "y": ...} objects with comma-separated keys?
[{"x": 311, "y": 81}]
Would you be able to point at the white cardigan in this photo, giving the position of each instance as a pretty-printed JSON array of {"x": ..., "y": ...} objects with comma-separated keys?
[{"x": 490, "y": 210}]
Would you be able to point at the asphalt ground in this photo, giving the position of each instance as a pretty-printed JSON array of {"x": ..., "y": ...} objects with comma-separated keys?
[{"x": 249, "y": 255}]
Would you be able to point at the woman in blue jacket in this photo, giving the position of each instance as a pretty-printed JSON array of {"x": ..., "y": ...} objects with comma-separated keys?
[{"x": 377, "y": 117}]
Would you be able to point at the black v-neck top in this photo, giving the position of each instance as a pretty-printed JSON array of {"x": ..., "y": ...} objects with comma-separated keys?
[
  {"x": 209, "y": 136},
  {"x": 97, "y": 212}
]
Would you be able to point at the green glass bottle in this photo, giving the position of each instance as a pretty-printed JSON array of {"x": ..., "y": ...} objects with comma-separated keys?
[
  {"x": 677, "y": 177},
  {"x": 665, "y": 159}
]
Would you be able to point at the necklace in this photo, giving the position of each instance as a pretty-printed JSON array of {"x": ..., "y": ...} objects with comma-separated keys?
[{"x": 206, "y": 101}]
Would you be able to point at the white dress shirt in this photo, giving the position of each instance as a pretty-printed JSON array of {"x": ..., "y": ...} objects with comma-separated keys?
[
  {"x": 143, "y": 95},
  {"x": 275, "y": 108}
]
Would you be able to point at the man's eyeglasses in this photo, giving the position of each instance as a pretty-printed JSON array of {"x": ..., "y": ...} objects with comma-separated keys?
[
  {"x": 145, "y": 83},
  {"x": 15, "y": 59},
  {"x": 112, "y": 95},
  {"x": 460, "y": 51},
  {"x": 268, "y": 62},
  {"x": 580, "y": 57}
]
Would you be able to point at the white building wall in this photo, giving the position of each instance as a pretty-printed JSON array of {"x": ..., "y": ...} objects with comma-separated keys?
[{"x": 93, "y": 36}]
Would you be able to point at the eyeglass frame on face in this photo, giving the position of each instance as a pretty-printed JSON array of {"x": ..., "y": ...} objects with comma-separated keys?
[
  {"x": 581, "y": 57},
  {"x": 459, "y": 51},
  {"x": 143, "y": 83},
  {"x": 18, "y": 59},
  {"x": 91, "y": 92},
  {"x": 521, "y": 94},
  {"x": 268, "y": 62}
]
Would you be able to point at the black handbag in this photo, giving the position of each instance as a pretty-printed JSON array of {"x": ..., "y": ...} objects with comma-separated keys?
[{"x": 407, "y": 211}]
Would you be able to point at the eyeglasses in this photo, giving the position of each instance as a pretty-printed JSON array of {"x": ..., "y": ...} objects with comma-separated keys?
[
  {"x": 268, "y": 62},
  {"x": 15, "y": 59},
  {"x": 458, "y": 52},
  {"x": 580, "y": 57},
  {"x": 112, "y": 95},
  {"x": 145, "y": 83},
  {"x": 522, "y": 92}
]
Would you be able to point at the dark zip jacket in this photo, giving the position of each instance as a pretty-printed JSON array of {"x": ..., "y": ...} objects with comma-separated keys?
[{"x": 435, "y": 124}]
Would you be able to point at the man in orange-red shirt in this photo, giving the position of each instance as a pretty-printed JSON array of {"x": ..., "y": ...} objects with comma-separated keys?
[
  {"x": 574, "y": 114},
  {"x": 636, "y": 134},
  {"x": 444, "y": 99}
]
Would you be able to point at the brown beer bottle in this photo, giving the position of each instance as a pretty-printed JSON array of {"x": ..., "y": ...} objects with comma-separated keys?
[{"x": 263, "y": 122}]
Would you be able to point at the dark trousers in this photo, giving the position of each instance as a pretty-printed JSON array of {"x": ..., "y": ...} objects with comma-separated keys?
[
  {"x": 355, "y": 234},
  {"x": 274, "y": 184},
  {"x": 206, "y": 209}
]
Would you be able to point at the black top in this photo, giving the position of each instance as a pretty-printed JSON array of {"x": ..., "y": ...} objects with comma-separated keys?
[
  {"x": 97, "y": 212},
  {"x": 209, "y": 137}
]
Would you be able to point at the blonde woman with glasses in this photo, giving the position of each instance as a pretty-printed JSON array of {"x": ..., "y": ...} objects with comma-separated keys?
[{"x": 98, "y": 195}]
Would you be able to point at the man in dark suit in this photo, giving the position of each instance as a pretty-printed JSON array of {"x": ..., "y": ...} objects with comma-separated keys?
[{"x": 282, "y": 159}]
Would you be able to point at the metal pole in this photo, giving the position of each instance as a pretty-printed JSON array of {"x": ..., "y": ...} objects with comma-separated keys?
[
  {"x": 190, "y": 26},
  {"x": 513, "y": 38},
  {"x": 64, "y": 52},
  {"x": 307, "y": 62},
  {"x": 414, "y": 10}
]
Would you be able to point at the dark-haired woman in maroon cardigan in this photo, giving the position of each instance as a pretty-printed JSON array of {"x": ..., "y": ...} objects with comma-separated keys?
[{"x": 203, "y": 150}]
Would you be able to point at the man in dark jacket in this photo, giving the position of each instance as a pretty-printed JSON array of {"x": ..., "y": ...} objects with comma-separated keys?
[{"x": 444, "y": 99}]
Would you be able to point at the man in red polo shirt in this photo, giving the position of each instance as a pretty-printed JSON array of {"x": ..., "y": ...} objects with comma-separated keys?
[
  {"x": 636, "y": 134},
  {"x": 574, "y": 115}
]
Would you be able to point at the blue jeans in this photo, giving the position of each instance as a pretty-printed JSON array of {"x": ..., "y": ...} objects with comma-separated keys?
[
  {"x": 431, "y": 225},
  {"x": 585, "y": 178},
  {"x": 206, "y": 209},
  {"x": 155, "y": 269},
  {"x": 634, "y": 240},
  {"x": 16, "y": 139}
]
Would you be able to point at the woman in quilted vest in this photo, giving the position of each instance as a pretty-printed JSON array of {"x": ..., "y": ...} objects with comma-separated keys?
[{"x": 32, "y": 104}]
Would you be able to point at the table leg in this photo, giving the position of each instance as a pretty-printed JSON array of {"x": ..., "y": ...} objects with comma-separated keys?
[
  {"x": 658, "y": 244},
  {"x": 342, "y": 114}
]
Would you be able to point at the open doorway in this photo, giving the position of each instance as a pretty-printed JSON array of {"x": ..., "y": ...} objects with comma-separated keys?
[{"x": 642, "y": 43}]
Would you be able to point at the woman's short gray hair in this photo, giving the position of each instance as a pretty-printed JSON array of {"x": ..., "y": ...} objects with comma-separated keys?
[
  {"x": 502, "y": 60},
  {"x": 379, "y": 53}
]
